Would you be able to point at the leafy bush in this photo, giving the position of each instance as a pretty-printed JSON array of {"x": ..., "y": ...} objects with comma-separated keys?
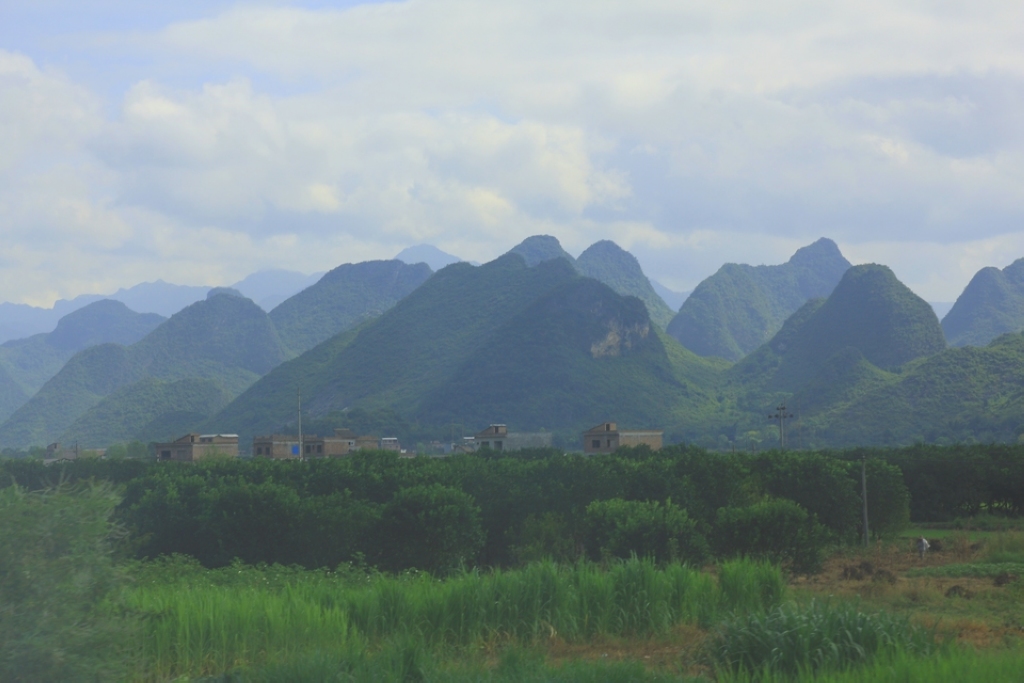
[
  {"x": 778, "y": 530},
  {"x": 820, "y": 637},
  {"x": 435, "y": 528},
  {"x": 663, "y": 531},
  {"x": 59, "y": 615}
]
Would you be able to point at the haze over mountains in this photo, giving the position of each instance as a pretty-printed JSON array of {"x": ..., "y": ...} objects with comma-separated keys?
[
  {"x": 29, "y": 363},
  {"x": 536, "y": 339},
  {"x": 267, "y": 288}
]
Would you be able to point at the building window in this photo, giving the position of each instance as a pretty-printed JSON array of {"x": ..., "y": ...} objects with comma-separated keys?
[
  {"x": 319, "y": 448},
  {"x": 165, "y": 455},
  {"x": 609, "y": 443},
  {"x": 596, "y": 443},
  {"x": 497, "y": 445}
]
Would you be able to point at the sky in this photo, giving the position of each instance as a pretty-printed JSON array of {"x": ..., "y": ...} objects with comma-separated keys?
[{"x": 198, "y": 142}]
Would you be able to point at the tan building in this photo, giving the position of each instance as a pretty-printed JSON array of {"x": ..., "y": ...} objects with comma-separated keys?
[
  {"x": 607, "y": 437},
  {"x": 367, "y": 443},
  {"x": 193, "y": 447},
  {"x": 286, "y": 446},
  {"x": 498, "y": 438}
]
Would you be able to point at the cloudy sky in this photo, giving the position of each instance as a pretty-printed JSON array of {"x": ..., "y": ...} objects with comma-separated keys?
[{"x": 200, "y": 141}]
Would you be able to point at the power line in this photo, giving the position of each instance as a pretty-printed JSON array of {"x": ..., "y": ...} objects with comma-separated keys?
[{"x": 781, "y": 416}]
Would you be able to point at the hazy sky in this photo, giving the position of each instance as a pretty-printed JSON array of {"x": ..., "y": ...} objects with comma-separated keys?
[{"x": 200, "y": 141}]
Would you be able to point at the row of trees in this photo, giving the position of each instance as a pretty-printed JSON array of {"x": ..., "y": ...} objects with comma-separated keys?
[{"x": 494, "y": 510}]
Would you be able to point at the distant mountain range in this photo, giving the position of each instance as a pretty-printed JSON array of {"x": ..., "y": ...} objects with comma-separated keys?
[
  {"x": 268, "y": 288},
  {"x": 540, "y": 346},
  {"x": 537, "y": 339},
  {"x": 225, "y": 338},
  {"x": 605, "y": 262},
  {"x": 426, "y": 253},
  {"x": 29, "y": 363}
]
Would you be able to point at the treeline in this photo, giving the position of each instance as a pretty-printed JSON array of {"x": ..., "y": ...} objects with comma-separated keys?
[
  {"x": 680, "y": 503},
  {"x": 950, "y": 482}
]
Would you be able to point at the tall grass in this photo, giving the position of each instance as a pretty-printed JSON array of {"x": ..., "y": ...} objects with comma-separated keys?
[
  {"x": 954, "y": 665},
  {"x": 211, "y": 628},
  {"x": 821, "y": 636}
]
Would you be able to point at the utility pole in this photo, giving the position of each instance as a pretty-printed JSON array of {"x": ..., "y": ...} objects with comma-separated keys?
[
  {"x": 864, "y": 493},
  {"x": 302, "y": 456},
  {"x": 781, "y": 416}
]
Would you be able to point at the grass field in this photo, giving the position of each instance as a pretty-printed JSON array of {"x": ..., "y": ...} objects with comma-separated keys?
[{"x": 872, "y": 614}]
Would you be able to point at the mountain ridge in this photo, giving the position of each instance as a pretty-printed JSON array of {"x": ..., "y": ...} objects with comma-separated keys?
[{"x": 741, "y": 307}]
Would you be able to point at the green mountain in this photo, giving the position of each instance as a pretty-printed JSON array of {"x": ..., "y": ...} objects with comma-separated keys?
[
  {"x": 607, "y": 262},
  {"x": 343, "y": 298},
  {"x": 31, "y": 362},
  {"x": 740, "y": 307},
  {"x": 870, "y": 312},
  {"x": 12, "y": 396},
  {"x": 868, "y": 339},
  {"x": 540, "y": 248},
  {"x": 225, "y": 338},
  {"x": 102, "y": 322},
  {"x": 531, "y": 346},
  {"x": 992, "y": 304},
  {"x": 148, "y": 410},
  {"x": 967, "y": 394},
  {"x": 579, "y": 355}
]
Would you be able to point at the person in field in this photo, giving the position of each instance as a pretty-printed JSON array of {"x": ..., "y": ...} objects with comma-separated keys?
[{"x": 922, "y": 546}]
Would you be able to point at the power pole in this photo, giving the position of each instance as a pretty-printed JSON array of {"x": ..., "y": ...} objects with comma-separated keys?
[
  {"x": 302, "y": 455},
  {"x": 864, "y": 493},
  {"x": 781, "y": 416}
]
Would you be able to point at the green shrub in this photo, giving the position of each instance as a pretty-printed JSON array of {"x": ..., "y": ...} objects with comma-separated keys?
[
  {"x": 777, "y": 530},
  {"x": 819, "y": 637},
  {"x": 59, "y": 615},
  {"x": 663, "y": 531}
]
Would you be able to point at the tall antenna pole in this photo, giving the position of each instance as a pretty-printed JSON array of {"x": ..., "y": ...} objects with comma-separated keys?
[
  {"x": 301, "y": 454},
  {"x": 864, "y": 494},
  {"x": 781, "y": 415}
]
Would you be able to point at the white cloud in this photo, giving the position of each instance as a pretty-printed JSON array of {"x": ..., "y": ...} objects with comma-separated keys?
[{"x": 691, "y": 132}]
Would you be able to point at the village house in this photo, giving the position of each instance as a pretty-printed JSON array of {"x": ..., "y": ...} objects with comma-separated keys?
[
  {"x": 193, "y": 447},
  {"x": 497, "y": 437},
  {"x": 286, "y": 446},
  {"x": 607, "y": 437}
]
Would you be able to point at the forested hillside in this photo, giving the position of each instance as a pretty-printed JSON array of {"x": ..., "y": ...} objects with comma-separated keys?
[
  {"x": 992, "y": 304},
  {"x": 741, "y": 307},
  {"x": 607, "y": 262},
  {"x": 343, "y": 298},
  {"x": 32, "y": 361},
  {"x": 225, "y": 338}
]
